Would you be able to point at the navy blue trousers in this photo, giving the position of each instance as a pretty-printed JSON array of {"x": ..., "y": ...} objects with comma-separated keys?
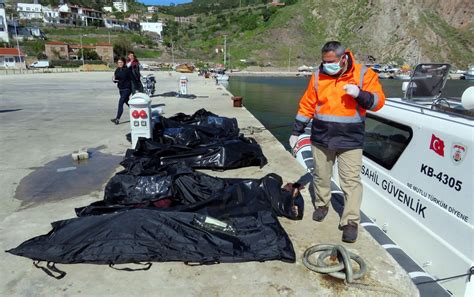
[{"x": 124, "y": 97}]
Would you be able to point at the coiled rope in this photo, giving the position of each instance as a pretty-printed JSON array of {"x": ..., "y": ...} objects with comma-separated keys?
[{"x": 343, "y": 269}]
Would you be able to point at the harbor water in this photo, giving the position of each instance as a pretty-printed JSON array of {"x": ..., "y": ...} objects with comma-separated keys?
[{"x": 274, "y": 100}]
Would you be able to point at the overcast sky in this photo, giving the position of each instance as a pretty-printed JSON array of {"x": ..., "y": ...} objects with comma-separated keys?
[{"x": 163, "y": 2}]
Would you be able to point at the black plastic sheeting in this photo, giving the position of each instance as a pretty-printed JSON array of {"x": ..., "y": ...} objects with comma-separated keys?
[
  {"x": 203, "y": 127},
  {"x": 159, "y": 209},
  {"x": 150, "y": 156},
  {"x": 147, "y": 235},
  {"x": 202, "y": 140},
  {"x": 182, "y": 185},
  {"x": 248, "y": 229},
  {"x": 198, "y": 192}
]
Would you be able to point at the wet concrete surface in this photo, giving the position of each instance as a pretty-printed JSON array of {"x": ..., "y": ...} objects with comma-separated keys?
[{"x": 65, "y": 178}]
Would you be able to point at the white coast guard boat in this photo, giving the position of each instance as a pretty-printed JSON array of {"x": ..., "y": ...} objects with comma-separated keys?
[{"x": 418, "y": 174}]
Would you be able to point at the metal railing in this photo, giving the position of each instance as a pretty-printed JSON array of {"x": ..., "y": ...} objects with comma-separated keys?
[{"x": 8, "y": 71}]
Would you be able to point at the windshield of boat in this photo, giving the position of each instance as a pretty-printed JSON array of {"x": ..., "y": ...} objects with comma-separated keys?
[{"x": 427, "y": 81}]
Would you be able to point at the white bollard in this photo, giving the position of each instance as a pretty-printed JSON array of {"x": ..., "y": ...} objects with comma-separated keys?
[
  {"x": 183, "y": 85},
  {"x": 140, "y": 117}
]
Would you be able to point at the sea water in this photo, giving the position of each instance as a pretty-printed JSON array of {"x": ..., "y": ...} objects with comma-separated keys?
[{"x": 274, "y": 100}]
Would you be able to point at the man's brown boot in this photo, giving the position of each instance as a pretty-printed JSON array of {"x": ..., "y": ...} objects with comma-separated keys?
[
  {"x": 320, "y": 213},
  {"x": 349, "y": 232}
]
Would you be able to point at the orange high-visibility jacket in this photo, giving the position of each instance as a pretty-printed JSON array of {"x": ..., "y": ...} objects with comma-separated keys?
[{"x": 338, "y": 118}]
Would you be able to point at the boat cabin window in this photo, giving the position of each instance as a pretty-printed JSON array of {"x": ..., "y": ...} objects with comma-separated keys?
[{"x": 385, "y": 140}]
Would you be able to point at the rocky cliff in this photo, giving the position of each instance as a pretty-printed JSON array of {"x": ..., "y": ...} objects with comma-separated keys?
[{"x": 402, "y": 31}]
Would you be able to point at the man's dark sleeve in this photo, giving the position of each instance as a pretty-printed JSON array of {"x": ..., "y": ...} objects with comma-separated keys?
[
  {"x": 298, "y": 128},
  {"x": 365, "y": 99}
]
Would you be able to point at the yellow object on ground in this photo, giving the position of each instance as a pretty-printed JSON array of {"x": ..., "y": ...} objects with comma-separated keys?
[{"x": 91, "y": 67}]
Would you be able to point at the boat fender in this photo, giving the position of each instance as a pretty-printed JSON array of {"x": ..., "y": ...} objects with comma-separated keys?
[{"x": 467, "y": 98}]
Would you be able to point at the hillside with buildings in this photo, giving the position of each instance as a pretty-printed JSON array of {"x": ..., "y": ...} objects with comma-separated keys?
[
  {"x": 72, "y": 31},
  {"x": 280, "y": 33}
]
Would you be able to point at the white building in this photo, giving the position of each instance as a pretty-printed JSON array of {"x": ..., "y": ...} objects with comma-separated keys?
[
  {"x": 11, "y": 58},
  {"x": 50, "y": 15},
  {"x": 107, "y": 8},
  {"x": 121, "y": 6},
  {"x": 156, "y": 27},
  {"x": 91, "y": 17},
  {"x": 152, "y": 9},
  {"x": 126, "y": 24},
  {"x": 29, "y": 11},
  {"x": 3, "y": 24},
  {"x": 80, "y": 16}
]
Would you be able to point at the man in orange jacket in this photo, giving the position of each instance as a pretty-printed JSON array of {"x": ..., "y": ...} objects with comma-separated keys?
[{"x": 337, "y": 97}]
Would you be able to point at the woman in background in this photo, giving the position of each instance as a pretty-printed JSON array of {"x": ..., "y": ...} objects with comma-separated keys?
[
  {"x": 134, "y": 67},
  {"x": 123, "y": 79}
]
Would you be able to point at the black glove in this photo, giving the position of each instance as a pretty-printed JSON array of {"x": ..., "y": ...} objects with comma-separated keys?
[{"x": 298, "y": 128}]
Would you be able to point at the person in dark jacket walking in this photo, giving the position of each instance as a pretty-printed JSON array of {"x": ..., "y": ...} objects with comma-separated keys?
[
  {"x": 123, "y": 79},
  {"x": 134, "y": 65}
]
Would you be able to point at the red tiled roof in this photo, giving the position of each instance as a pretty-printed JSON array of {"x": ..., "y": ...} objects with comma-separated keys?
[
  {"x": 79, "y": 46},
  {"x": 56, "y": 43},
  {"x": 10, "y": 52},
  {"x": 103, "y": 44}
]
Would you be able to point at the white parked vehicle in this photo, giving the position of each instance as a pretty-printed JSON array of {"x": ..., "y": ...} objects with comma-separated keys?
[
  {"x": 40, "y": 64},
  {"x": 418, "y": 176},
  {"x": 469, "y": 73}
]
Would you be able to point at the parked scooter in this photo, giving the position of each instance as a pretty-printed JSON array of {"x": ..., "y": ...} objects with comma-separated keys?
[{"x": 148, "y": 83}]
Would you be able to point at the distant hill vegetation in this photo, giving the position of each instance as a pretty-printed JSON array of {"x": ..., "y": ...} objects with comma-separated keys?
[
  {"x": 381, "y": 31},
  {"x": 216, "y": 6}
]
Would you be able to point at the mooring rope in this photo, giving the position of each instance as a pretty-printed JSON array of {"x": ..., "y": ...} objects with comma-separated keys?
[{"x": 343, "y": 269}]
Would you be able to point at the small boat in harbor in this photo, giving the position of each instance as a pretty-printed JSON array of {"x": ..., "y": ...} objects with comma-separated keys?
[
  {"x": 402, "y": 76},
  {"x": 417, "y": 174},
  {"x": 469, "y": 73},
  {"x": 384, "y": 75},
  {"x": 456, "y": 74},
  {"x": 185, "y": 68}
]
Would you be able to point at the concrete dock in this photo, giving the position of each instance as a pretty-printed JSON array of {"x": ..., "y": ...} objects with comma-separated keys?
[{"x": 46, "y": 117}]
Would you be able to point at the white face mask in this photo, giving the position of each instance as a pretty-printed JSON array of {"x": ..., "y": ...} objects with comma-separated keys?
[{"x": 332, "y": 68}]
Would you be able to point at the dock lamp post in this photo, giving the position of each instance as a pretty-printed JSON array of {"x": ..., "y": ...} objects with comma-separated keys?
[
  {"x": 82, "y": 51},
  {"x": 172, "y": 51},
  {"x": 18, "y": 46}
]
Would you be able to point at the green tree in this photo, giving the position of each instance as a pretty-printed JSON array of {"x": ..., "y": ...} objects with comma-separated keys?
[
  {"x": 121, "y": 47},
  {"x": 119, "y": 15},
  {"x": 90, "y": 54},
  {"x": 249, "y": 22},
  {"x": 268, "y": 12}
]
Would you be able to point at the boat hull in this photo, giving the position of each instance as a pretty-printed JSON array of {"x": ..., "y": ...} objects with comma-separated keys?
[{"x": 418, "y": 211}]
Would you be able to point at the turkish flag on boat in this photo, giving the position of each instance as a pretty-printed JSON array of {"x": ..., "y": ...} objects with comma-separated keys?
[{"x": 437, "y": 145}]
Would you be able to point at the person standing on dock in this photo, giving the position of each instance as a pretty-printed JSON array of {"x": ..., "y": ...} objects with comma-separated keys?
[
  {"x": 338, "y": 95},
  {"x": 123, "y": 79},
  {"x": 134, "y": 65}
]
